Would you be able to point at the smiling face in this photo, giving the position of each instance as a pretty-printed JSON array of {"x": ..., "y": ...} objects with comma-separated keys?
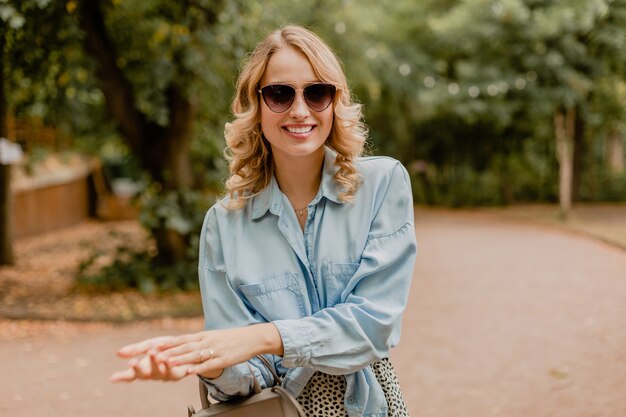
[{"x": 298, "y": 132}]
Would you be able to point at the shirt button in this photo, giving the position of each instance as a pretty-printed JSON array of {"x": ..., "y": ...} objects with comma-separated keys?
[{"x": 350, "y": 400}]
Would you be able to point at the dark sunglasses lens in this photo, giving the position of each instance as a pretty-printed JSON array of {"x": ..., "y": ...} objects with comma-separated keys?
[
  {"x": 319, "y": 96},
  {"x": 278, "y": 97}
]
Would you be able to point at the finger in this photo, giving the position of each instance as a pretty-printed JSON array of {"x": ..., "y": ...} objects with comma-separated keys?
[
  {"x": 190, "y": 358},
  {"x": 134, "y": 361},
  {"x": 127, "y": 375},
  {"x": 212, "y": 368},
  {"x": 159, "y": 370},
  {"x": 169, "y": 373},
  {"x": 186, "y": 348},
  {"x": 178, "y": 340},
  {"x": 140, "y": 348},
  {"x": 134, "y": 349},
  {"x": 164, "y": 368},
  {"x": 175, "y": 373},
  {"x": 143, "y": 368}
]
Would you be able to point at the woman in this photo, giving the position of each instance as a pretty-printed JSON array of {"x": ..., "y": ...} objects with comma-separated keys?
[{"x": 309, "y": 258}]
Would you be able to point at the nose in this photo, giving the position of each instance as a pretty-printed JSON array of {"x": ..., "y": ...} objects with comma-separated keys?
[{"x": 299, "y": 108}]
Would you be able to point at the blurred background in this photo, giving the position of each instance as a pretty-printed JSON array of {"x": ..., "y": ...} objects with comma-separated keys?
[
  {"x": 113, "y": 113},
  {"x": 486, "y": 102}
]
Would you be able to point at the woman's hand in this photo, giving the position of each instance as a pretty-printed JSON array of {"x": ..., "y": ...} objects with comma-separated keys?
[
  {"x": 205, "y": 353},
  {"x": 208, "y": 353},
  {"x": 148, "y": 368},
  {"x": 144, "y": 364}
]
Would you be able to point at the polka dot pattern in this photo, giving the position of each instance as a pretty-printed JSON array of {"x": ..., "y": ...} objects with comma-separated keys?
[{"x": 323, "y": 395}]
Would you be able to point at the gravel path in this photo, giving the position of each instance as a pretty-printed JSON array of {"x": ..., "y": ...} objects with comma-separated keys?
[{"x": 505, "y": 319}]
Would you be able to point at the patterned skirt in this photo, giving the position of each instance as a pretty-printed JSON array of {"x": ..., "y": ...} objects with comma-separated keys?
[{"x": 323, "y": 395}]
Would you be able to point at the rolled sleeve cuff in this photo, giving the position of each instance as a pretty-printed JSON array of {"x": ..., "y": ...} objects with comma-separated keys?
[
  {"x": 297, "y": 343},
  {"x": 235, "y": 381}
]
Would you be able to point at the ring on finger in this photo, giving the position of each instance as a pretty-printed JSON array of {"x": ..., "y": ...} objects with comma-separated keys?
[{"x": 205, "y": 356}]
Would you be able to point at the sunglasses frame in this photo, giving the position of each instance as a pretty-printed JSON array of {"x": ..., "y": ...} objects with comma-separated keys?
[{"x": 260, "y": 91}]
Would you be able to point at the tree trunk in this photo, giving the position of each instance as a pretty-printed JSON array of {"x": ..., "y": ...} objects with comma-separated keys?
[
  {"x": 6, "y": 212},
  {"x": 614, "y": 152},
  {"x": 580, "y": 150},
  {"x": 162, "y": 151},
  {"x": 6, "y": 229},
  {"x": 564, "y": 126}
]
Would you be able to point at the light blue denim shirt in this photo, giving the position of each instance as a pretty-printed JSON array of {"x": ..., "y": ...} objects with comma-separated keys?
[{"x": 335, "y": 291}]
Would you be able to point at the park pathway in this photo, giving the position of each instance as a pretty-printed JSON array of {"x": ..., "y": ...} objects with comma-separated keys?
[{"x": 505, "y": 319}]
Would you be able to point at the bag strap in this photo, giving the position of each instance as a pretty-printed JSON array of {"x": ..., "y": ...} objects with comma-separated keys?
[
  {"x": 204, "y": 395},
  {"x": 289, "y": 398},
  {"x": 276, "y": 388},
  {"x": 277, "y": 379}
]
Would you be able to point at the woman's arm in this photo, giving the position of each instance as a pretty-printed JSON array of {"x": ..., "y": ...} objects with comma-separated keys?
[
  {"x": 235, "y": 336},
  {"x": 340, "y": 339},
  {"x": 228, "y": 347},
  {"x": 174, "y": 357}
]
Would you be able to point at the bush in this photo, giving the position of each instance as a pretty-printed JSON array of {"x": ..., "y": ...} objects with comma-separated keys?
[
  {"x": 604, "y": 186},
  {"x": 506, "y": 180},
  {"x": 134, "y": 266}
]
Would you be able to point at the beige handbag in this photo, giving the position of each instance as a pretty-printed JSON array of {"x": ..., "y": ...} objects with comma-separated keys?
[{"x": 274, "y": 401}]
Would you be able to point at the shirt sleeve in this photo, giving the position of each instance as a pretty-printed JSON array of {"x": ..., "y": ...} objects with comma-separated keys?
[
  {"x": 361, "y": 329},
  {"x": 224, "y": 309},
  {"x": 237, "y": 380}
]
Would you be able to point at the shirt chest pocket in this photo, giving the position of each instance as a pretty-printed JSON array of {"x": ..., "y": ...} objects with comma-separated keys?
[
  {"x": 278, "y": 297},
  {"x": 337, "y": 277}
]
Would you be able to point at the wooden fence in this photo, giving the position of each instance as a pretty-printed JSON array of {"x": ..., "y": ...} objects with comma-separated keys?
[
  {"x": 47, "y": 201},
  {"x": 58, "y": 194}
]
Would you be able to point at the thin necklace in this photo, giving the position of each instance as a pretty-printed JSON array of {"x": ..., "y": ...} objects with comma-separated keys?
[{"x": 301, "y": 211}]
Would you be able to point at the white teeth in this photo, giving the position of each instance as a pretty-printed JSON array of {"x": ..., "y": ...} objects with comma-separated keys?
[{"x": 300, "y": 129}]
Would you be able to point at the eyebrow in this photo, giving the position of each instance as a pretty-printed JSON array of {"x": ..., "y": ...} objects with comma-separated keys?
[{"x": 293, "y": 82}]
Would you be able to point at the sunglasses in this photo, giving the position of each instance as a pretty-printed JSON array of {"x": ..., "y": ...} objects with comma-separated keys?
[{"x": 280, "y": 97}]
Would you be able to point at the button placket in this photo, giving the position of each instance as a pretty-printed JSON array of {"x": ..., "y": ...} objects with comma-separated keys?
[{"x": 309, "y": 234}]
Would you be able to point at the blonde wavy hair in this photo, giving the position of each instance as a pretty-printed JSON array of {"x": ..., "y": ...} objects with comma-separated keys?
[{"x": 248, "y": 152}]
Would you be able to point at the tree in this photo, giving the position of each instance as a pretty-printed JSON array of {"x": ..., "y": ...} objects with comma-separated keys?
[
  {"x": 162, "y": 149},
  {"x": 32, "y": 42},
  {"x": 6, "y": 244},
  {"x": 517, "y": 64},
  {"x": 165, "y": 74},
  {"x": 162, "y": 66},
  {"x": 482, "y": 93}
]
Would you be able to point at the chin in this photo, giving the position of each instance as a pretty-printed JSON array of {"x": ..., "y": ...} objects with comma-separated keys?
[
  {"x": 302, "y": 149},
  {"x": 308, "y": 148}
]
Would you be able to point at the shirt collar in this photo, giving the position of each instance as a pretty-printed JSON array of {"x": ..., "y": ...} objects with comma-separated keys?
[
  {"x": 329, "y": 188},
  {"x": 270, "y": 198}
]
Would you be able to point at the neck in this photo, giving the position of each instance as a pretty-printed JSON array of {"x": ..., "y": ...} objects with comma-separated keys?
[{"x": 299, "y": 177}]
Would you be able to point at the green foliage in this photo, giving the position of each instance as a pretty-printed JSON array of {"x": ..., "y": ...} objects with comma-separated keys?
[
  {"x": 604, "y": 186},
  {"x": 136, "y": 267},
  {"x": 506, "y": 63},
  {"x": 46, "y": 67},
  {"x": 515, "y": 177},
  {"x": 35, "y": 156},
  {"x": 479, "y": 82},
  {"x": 467, "y": 87},
  {"x": 179, "y": 210}
]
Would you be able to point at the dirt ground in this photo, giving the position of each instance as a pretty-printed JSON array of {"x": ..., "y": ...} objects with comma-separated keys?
[
  {"x": 40, "y": 284},
  {"x": 506, "y": 317}
]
